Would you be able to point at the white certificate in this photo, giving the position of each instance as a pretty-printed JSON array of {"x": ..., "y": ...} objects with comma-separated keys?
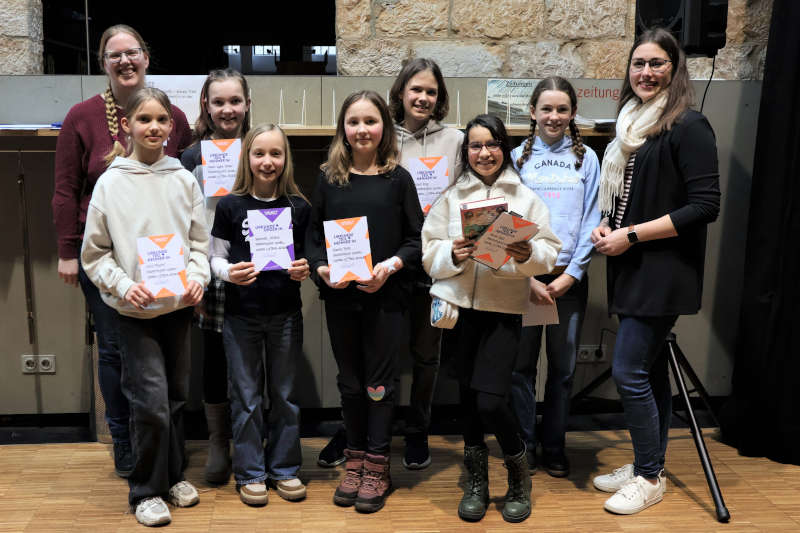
[
  {"x": 271, "y": 238},
  {"x": 220, "y": 161},
  {"x": 161, "y": 263},
  {"x": 431, "y": 176},
  {"x": 347, "y": 243}
]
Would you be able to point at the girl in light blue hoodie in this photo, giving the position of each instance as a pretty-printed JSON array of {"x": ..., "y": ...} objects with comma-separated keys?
[{"x": 565, "y": 174}]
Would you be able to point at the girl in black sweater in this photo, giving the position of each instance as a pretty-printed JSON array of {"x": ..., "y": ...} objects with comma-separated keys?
[{"x": 366, "y": 318}]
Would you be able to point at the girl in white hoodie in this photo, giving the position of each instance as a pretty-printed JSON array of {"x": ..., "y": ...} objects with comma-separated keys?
[
  {"x": 148, "y": 200},
  {"x": 490, "y": 304}
]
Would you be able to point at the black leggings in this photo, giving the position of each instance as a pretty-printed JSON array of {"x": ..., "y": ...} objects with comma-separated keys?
[
  {"x": 485, "y": 410},
  {"x": 215, "y": 368}
]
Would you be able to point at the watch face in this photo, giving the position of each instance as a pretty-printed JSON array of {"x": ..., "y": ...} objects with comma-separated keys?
[{"x": 632, "y": 237}]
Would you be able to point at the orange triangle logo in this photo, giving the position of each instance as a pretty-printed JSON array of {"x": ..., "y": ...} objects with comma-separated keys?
[
  {"x": 349, "y": 277},
  {"x": 203, "y": 161},
  {"x": 223, "y": 144},
  {"x": 161, "y": 240},
  {"x": 430, "y": 162},
  {"x": 368, "y": 261},
  {"x": 141, "y": 262},
  {"x": 366, "y": 235},
  {"x": 327, "y": 243},
  {"x": 221, "y": 192},
  {"x": 348, "y": 223},
  {"x": 164, "y": 293},
  {"x": 520, "y": 223},
  {"x": 485, "y": 257},
  {"x": 182, "y": 275},
  {"x": 426, "y": 209}
]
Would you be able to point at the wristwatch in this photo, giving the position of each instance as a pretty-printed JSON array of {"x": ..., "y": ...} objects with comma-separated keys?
[{"x": 632, "y": 237}]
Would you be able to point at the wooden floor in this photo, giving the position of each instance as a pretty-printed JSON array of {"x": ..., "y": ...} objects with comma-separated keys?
[{"x": 71, "y": 487}]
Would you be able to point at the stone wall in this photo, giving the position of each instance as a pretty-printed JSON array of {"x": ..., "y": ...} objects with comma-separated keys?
[
  {"x": 525, "y": 38},
  {"x": 21, "y": 37}
]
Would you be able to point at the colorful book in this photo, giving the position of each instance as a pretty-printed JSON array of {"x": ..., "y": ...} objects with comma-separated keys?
[
  {"x": 507, "y": 228},
  {"x": 477, "y": 216}
]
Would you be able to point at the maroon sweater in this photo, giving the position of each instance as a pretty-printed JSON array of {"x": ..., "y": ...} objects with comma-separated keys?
[{"x": 83, "y": 142}]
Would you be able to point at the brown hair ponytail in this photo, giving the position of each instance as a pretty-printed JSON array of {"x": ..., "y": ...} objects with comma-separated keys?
[
  {"x": 577, "y": 144},
  {"x": 526, "y": 151}
]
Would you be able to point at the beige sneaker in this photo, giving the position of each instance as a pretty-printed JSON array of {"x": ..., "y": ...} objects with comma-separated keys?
[
  {"x": 183, "y": 494},
  {"x": 253, "y": 493},
  {"x": 637, "y": 495},
  {"x": 290, "y": 489}
]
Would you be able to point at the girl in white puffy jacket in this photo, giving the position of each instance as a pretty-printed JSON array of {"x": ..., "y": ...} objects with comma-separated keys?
[{"x": 490, "y": 307}]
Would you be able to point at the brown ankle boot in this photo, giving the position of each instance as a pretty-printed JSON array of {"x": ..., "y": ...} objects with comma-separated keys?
[
  {"x": 376, "y": 483},
  {"x": 347, "y": 491}
]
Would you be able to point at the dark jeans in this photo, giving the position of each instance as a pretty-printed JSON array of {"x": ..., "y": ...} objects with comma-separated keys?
[
  {"x": 561, "y": 346},
  {"x": 155, "y": 379},
  {"x": 425, "y": 343},
  {"x": 366, "y": 344},
  {"x": 247, "y": 340},
  {"x": 109, "y": 364},
  {"x": 640, "y": 372}
]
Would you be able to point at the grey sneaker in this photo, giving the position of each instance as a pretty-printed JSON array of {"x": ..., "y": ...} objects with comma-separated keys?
[
  {"x": 153, "y": 512},
  {"x": 615, "y": 480},
  {"x": 183, "y": 494}
]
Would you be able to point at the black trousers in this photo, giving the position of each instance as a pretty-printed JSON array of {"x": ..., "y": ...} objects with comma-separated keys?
[{"x": 366, "y": 343}]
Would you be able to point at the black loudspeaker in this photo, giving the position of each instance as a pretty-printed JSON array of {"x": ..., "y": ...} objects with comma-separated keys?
[{"x": 698, "y": 25}]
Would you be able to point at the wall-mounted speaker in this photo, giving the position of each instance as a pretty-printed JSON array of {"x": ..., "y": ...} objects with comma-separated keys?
[{"x": 698, "y": 25}]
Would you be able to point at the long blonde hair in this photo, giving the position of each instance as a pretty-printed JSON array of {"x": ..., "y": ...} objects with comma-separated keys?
[
  {"x": 108, "y": 95},
  {"x": 340, "y": 158},
  {"x": 243, "y": 185},
  {"x": 136, "y": 101}
]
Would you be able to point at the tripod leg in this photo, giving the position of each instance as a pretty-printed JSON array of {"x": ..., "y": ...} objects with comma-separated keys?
[
  {"x": 596, "y": 382},
  {"x": 722, "y": 512},
  {"x": 683, "y": 363}
]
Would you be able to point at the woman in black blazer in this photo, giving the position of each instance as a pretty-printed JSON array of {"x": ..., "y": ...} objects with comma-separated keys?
[{"x": 660, "y": 188}]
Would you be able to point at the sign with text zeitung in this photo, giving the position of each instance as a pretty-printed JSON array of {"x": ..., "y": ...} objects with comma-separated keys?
[
  {"x": 347, "y": 244},
  {"x": 220, "y": 161},
  {"x": 508, "y": 99}
]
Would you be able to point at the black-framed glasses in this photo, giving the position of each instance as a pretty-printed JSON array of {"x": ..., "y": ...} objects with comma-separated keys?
[
  {"x": 132, "y": 54},
  {"x": 476, "y": 147},
  {"x": 656, "y": 64}
]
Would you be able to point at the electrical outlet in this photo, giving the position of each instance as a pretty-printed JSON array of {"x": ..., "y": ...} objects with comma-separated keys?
[
  {"x": 592, "y": 353},
  {"x": 29, "y": 364},
  {"x": 46, "y": 364}
]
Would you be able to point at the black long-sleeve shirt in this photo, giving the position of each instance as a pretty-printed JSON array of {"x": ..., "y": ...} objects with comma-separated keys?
[{"x": 394, "y": 218}]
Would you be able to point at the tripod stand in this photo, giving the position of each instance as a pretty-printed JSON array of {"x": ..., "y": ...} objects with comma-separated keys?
[{"x": 679, "y": 364}]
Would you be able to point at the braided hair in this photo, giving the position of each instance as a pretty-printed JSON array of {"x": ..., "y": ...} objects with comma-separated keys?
[
  {"x": 113, "y": 126},
  {"x": 554, "y": 83}
]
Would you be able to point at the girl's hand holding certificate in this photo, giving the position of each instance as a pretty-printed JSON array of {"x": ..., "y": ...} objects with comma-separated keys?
[
  {"x": 242, "y": 273},
  {"x": 325, "y": 273},
  {"x": 520, "y": 251},
  {"x": 299, "y": 269},
  {"x": 193, "y": 294},
  {"x": 138, "y": 296}
]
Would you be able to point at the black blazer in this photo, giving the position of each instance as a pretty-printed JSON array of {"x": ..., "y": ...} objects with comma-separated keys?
[{"x": 675, "y": 173}]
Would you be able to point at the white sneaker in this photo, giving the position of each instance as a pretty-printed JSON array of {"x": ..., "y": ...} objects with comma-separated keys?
[
  {"x": 253, "y": 493},
  {"x": 183, "y": 494},
  {"x": 615, "y": 480},
  {"x": 637, "y": 495},
  {"x": 153, "y": 512}
]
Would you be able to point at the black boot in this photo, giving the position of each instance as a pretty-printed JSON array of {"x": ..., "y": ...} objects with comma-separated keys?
[
  {"x": 518, "y": 497},
  {"x": 476, "y": 498}
]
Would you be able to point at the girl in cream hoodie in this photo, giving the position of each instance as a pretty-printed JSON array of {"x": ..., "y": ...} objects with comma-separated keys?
[{"x": 490, "y": 307}]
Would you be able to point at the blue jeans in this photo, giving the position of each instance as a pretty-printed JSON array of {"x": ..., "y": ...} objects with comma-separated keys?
[
  {"x": 156, "y": 361},
  {"x": 248, "y": 339},
  {"x": 109, "y": 363},
  {"x": 640, "y": 372},
  {"x": 561, "y": 346}
]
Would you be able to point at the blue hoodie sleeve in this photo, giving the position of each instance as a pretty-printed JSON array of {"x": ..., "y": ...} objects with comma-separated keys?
[{"x": 591, "y": 216}]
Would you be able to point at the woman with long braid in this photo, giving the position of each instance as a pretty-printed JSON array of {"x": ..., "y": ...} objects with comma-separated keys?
[{"x": 90, "y": 138}]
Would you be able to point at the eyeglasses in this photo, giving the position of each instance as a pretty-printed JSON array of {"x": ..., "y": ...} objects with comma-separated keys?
[
  {"x": 492, "y": 146},
  {"x": 115, "y": 57},
  {"x": 657, "y": 64}
]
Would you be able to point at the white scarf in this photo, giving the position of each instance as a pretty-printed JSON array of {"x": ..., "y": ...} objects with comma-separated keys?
[{"x": 633, "y": 123}]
